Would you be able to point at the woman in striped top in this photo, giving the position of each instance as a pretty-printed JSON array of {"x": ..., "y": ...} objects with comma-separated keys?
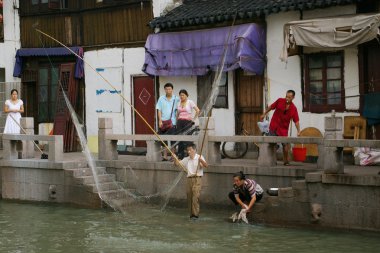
[{"x": 245, "y": 191}]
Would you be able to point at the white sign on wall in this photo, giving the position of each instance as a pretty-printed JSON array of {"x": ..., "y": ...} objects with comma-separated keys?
[{"x": 108, "y": 98}]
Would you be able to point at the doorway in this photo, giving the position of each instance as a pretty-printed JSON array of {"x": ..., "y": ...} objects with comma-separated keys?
[
  {"x": 249, "y": 101},
  {"x": 144, "y": 103},
  {"x": 369, "y": 78}
]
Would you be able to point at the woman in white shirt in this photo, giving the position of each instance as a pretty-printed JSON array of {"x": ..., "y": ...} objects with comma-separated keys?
[{"x": 14, "y": 107}]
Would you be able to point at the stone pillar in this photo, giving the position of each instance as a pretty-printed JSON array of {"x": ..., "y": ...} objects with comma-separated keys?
[
  {"x": 333, "y": 127},
  {"x": 27, "y": 124},
  {"x": 333, "y": 160},
  {"x": 9, "y": 147},
  {"x": 153, "y": 152},
  {"x": 107, "y": 148},
  {"x": 55, "y": 148},
  {"x": 267, "y": 154},
  {"x": 320, "y": 161},
  {"x": 332, "y": 157},
  {"x": 211, "y": 150}
]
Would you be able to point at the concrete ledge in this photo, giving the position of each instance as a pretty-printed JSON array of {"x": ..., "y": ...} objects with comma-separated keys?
[
  {"x": 286, "y": 192},
  {"x": 267, "y": 139},
  {"x": 313, "y": 177},
  {"x": 299, "y": 184},
  {"x": 29, "y": 137},
  {"x": 41, "y": 164},
  {"x": 220, "y": 169},
  {"x": 149, "y": 137},
  {"x": 347, "y": 179},
  {"x": 352, "y": 143}
]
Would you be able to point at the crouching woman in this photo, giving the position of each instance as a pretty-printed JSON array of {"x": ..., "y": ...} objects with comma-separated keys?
[{"x": 245, "y": 191}]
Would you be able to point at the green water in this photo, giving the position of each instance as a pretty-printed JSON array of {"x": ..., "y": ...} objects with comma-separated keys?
[{"x": 56, "y": 228}]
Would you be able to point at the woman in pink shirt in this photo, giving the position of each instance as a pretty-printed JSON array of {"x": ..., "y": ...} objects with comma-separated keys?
[{"x": 185, "y": 118}]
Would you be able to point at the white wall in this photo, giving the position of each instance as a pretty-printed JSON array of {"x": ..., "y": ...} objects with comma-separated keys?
[
  {"x": 284, "y": 76},
  {"x": 11, "y": 43},
  {"x": 225, "y": 118},
  {"x": 160, "y": 5},
  {"x": 130, "y": 61}
]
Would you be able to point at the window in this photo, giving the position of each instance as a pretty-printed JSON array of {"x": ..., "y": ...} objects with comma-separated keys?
[
  {"x": 50, "y": 4},
  {"x": 58, "y": 4},
  {"x": 47, "y": 93},
  {"x": 324, "y": 89},
  {"x": 204, "y": 86}
]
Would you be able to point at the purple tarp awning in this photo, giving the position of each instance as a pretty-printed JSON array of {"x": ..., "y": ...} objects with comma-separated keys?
[
  {"x": 197, "y": 52},
  {"x": 53, "y": 51}
]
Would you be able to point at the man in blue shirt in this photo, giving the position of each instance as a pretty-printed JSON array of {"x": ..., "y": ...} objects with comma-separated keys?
[{"x": 167, "y": 110}]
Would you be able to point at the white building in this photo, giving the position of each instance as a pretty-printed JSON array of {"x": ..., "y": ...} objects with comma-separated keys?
[
  {"x": 122, "y": 67},
  {"x": 9, "y": 43}
]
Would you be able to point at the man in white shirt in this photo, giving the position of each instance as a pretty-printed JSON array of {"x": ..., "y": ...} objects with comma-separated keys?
[{"x": 194, "y": 165}]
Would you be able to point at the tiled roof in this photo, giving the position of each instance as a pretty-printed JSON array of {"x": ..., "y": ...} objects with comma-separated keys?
[{"x": 203, "y": 12}]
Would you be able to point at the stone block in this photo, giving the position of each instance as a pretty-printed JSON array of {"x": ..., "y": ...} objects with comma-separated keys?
[
  {"x": 299, "y": 184},
  {"x": 27, "y": 123},
  {"x": 333, "y": 123},
  {"x": 203, "y": 123},
  {"x": 56, "y": 148},
  {"x": 286, "y": 192},
  {"x": 313, "y": 177},
  {"x": 9, "y": 150},
  {"x": 153, "y": 153},
  {"x": 320, "y": 160},
  {"x": 301, "y": 195},
  {"x": 105, "y": 123},
  {"x": 267, "y": 155},
  {"x": 333, "y": 160}
]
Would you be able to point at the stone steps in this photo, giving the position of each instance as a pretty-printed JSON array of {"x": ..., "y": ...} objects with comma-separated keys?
[
  {"x": 105, "y": 178},
  {"x": 102, "y": 187},
  {"x": 81, "y": 172},
  {"x": 111, "y": 194}
]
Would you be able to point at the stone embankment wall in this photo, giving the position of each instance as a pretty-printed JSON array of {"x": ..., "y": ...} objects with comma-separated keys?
[{"x": 306, "y": 197}]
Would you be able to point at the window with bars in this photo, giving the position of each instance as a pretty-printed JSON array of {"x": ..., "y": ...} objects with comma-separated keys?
[
  {"x": 50, "y": 4},
  {"x": 324, "y": 82},
  {"x": 47, "y": 93},
  {"x": 204, "y": 87}
]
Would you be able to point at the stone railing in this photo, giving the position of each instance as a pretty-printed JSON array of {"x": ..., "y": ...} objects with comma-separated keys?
[
  {"x": 330, "y": 150},
  {"x": 10, "y": 143}
]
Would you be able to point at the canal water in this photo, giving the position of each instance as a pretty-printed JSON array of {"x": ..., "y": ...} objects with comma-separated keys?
[{"x": 56, "y": 228}]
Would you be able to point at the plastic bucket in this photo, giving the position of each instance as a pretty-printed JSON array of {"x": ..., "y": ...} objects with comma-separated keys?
[{"x": 299, "y": 154}]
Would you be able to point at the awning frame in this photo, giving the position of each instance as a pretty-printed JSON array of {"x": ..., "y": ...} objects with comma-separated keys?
[
  {"x": 198, "y": 52},
  {"x": 53, "y": 51}
]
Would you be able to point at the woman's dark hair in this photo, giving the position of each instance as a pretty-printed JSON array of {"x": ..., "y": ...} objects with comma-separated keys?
[
  {"x": 184, "y": 92},
  {"x": 168, "y": 85},
  {"x": 13, "y": 91},
  {"x": 240, "y": 175}
]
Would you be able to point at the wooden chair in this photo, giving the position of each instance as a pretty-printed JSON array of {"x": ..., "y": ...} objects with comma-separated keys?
[{"x": 355, "y": 127}]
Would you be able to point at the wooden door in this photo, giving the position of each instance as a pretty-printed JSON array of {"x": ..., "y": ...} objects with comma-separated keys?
[
  {"x": 144, "y": 102},
  {"x": 29, "y": 97},
  {"x": 369, "y": 76},
  {"x": 249, "y": 101},
  {"x": 63, "y": 124}
]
